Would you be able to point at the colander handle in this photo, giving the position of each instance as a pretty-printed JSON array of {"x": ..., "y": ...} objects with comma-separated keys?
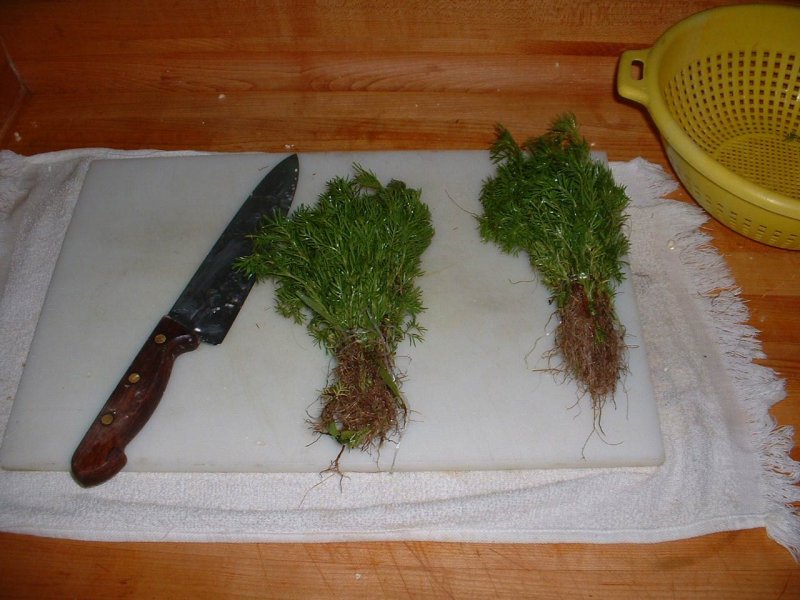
[{"x": 629, "y": 86}]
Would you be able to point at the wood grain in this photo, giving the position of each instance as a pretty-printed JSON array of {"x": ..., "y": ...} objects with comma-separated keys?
[
  {"x": 12, "y": 92},
  {"x": 730, "y": 565},
  {"x": 250, "y": 75}
]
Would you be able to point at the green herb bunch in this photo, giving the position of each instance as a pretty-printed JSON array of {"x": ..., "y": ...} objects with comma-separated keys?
[
  {"x": 346, "y": 267},
  {"x": 551, "y": 200}
]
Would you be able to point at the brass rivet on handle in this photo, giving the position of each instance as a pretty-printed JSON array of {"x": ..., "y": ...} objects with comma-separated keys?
[
  {"x": 107, "y": 419},
  {"x": 134, "y": 377},
  {"x": 160, "y": 338}
]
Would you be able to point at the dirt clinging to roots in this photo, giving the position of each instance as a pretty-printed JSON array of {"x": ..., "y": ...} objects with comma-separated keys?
[
  {"x": 359, "y": 407},
  {"x": 590, "y": 340}
]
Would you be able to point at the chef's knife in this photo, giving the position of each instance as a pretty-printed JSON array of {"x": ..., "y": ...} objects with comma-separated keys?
[{"x": 204, "y": 311}]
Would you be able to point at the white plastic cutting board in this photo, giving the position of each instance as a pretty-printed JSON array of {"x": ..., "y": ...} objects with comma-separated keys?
[{"x": 479, "y": 397}]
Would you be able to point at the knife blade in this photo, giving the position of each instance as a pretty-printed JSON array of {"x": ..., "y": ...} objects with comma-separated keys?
[{"x": 204, "y": 312}]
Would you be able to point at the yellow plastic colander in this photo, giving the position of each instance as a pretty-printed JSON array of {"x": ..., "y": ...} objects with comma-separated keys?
[{"x": 723, "y": 88}]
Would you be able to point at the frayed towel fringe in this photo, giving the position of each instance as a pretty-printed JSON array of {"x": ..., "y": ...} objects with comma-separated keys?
[{"x": 758, "y": 388}]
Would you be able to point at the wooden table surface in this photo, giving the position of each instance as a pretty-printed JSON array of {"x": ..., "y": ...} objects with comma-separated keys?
[{"x": 359, "y": 75}]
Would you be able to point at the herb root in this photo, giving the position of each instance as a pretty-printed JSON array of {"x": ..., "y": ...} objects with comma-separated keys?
[
  {"x": 591, "y": 342},
  {"x": 361, "y": 409}
]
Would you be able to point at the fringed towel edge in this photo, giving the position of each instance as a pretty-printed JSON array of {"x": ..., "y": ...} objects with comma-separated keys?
[{"x": 758, "y": 388}]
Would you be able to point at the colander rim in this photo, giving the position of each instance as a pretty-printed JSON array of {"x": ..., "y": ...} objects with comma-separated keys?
[{"x": 679, "y": 140}]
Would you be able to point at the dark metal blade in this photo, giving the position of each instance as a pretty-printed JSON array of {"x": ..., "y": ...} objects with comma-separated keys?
[{"x": 216, "y": 292}]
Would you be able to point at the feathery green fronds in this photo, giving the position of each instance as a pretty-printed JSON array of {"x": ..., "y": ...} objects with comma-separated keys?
[
  {"x": 347, "y": 265},
  {"x": 552, "y": 201}
]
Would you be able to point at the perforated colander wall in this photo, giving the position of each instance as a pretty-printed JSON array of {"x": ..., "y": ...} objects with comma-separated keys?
[{"x": 743, "y": 109}]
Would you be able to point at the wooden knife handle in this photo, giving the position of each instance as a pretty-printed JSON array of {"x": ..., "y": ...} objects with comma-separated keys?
[{"x": 101, "y": 453}]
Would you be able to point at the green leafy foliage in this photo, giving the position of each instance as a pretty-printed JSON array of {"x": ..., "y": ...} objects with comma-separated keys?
[
  {"x": 347, "y": 265},
  {"x": 552, "y": 201}
]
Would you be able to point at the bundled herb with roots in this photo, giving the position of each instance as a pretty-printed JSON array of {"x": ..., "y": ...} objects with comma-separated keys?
[
  {"x": 551, "y": 200},
  {"x": 346, "y": 267}
]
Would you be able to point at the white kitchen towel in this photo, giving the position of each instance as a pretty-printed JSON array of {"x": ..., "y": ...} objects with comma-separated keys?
[{"x": 727, "y": 465}]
